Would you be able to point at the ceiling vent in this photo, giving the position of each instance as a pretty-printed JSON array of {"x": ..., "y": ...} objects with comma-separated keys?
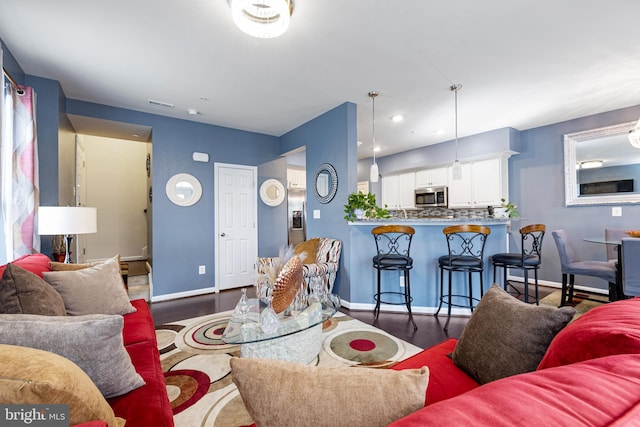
[{"x": 161, "y": 104}]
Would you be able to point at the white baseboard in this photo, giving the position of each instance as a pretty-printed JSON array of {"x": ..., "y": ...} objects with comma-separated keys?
[
  {"x": 390, "y": 308},
  {"x": 186, "y": 294}
]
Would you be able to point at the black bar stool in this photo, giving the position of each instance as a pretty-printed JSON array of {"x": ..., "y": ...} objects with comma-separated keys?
[
  {"x": 529, "y": 258},
  {"x": 466, "y": 253},
  {"x": 393, "y": 243}
]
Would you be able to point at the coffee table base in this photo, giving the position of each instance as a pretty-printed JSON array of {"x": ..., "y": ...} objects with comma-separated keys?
[{"x": 301, "y": 347}]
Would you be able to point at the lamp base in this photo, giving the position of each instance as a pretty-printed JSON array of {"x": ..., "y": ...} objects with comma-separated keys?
[{"x": 67, "y": 258}]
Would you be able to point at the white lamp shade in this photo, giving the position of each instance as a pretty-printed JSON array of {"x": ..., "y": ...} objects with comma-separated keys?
[
  {"x": 262, "y": 18},
  {"x": 373, "y": 173},
  {"x": 456, "y": 171},
  {"x": 54, "y": 220}
]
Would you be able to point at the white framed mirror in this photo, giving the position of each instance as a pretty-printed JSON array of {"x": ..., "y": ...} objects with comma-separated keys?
[
  {"x": 272, "y": 192},
  {"x": 601, "y": 167},
  {"x": 184, "y": 189}
]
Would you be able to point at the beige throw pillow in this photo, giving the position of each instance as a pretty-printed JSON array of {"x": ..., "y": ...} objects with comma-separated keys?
[
  {"x": 93, "y": 290},
  {"x": 22, "y": 292},
  {"x": 505, "y": 336},
  {"x": 308, "y": 249},
  {"x": 94, "y": 343},
  {"x": 285, "y": 394},
  {"x": 30, "y": 376}
]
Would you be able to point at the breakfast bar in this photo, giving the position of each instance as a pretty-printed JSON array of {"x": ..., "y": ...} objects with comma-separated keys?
[{"x": 427, "y": 246}]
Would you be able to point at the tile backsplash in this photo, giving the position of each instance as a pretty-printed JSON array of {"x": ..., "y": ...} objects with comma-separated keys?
[{"x": 440, "y": 212}]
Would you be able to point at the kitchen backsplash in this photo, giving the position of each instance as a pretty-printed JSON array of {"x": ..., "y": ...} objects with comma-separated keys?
[{"x": 441, "y": 212}]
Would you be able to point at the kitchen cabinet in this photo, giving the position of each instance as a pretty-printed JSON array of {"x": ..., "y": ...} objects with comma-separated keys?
[
  {"x": 484, "y": 183},
  {"x": 297, "y": 178},
  {"x": 431, "y": 177},
  {"x": 398, "y": 191}
]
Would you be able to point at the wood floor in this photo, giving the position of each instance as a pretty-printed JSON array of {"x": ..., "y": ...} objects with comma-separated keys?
[{"x": 429, "y": 330}]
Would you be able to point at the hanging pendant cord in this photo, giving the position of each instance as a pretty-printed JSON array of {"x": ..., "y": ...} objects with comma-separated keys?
[
  {"x": 373, "y": 95},
  {"x": 455, "y": 89}
]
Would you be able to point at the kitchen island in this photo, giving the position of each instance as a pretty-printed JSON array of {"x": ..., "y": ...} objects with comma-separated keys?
[{"x": 427, "y": 246}]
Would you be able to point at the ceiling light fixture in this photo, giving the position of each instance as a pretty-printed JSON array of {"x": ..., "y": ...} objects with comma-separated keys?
[
  {"x": 262, "y": 18},
  {"x": 634, "y": 135},
  {"x": 591, "y": 164},
  {"x": 397, "y": 118},
  {"x": 457, "y": 167},
  {"x": 373, "y": 173}
]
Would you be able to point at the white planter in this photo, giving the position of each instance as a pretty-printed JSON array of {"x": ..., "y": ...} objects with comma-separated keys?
[
  {"x": 500, "y": 213},
  {"x": 359, "y": 213}
]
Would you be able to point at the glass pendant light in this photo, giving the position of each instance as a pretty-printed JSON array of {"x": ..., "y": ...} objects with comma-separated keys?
[
  {"x": 457, "y": 167},
  {"x": 373, "y": 173},
  {"x": 634, "y": 135}
]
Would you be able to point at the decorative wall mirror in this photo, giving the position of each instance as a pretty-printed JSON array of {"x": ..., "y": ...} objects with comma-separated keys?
[
  {"x": 272, "y": 192},
  {"x": 601, "y": 167},
  {"x": 326, "y": 183},
  {"x": 184, "y": 189}
]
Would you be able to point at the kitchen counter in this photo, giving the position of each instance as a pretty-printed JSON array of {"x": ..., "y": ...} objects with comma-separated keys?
[{"x": 428, "y": 244}]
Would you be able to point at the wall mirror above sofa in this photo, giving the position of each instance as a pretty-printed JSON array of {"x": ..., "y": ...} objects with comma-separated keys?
[
  {"x": 272, "y": 192},
  {"x": 325, "y": 183},
  {"x": 184, "y": 189},
  {"x": 601, "y": 166}
]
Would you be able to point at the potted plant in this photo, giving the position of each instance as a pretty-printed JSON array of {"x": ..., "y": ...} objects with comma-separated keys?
[
  {"x": 507, "y": 210},
  {"x": 360, "y": 205}
]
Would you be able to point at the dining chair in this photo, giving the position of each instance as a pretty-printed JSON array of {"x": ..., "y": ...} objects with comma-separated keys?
[
  {"x": 631, "y": 266},
  {"x": 466, "y": 244},
  {"x": 613, "y": 234},
  {"x": 529, "y": 258},
  {"x": 393, "y": 246},
  {"x": 571, "y": 267}
]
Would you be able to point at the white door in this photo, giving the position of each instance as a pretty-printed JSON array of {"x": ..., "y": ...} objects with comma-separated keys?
[{"x": 236, "y": 230}]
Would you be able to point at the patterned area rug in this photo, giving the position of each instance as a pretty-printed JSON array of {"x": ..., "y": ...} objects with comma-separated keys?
[
  {"x": 198, "y": 376},
  {"x": 581, "y": 304}
]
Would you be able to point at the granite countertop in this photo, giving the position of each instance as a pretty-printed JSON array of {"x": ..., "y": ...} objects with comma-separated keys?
[{"x": 431, "y": 220}]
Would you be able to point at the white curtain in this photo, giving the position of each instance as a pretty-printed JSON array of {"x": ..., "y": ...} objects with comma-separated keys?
[{"x": 18, "y": 173}]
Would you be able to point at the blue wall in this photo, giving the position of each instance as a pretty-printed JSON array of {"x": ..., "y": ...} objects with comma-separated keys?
[{"x": 273, "y": 221}]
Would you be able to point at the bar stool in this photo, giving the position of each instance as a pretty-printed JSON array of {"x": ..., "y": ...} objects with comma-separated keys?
[
  {"x": 466, "y": 253},
  {"x": 529, "y": 258},
  {"x": 393, "y": 243}
]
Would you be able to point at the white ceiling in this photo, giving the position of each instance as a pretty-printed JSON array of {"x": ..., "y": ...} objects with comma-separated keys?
[{"x": 522, "y": 63}]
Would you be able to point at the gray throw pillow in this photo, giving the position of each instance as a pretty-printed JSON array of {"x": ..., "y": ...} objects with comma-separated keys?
[
  {"x": 22, "y": 292},
  {"x": 505, "y": 336},
  {"x": 94, "y": 290},
  {"x": 93, "y": 342}
]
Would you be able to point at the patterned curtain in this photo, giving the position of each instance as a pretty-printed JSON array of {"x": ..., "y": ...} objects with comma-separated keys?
[{"x": 19, "y": 177}]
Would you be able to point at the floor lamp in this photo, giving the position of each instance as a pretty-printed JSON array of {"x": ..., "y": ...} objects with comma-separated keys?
[{"x": 68, "y": 220}]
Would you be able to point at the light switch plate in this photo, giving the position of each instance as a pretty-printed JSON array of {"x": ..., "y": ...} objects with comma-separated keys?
[
  {"x": 316, "y": 214},
  {"x": 616, "y": 211}
]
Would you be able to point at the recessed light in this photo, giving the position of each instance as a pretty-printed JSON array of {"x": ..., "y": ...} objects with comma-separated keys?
[
  {"x": 439, "y": 132},
  {"x": 360, "y": 143},
  {"x": 135, "y": 135},
  {"x": 192, "y": 112},
  {"x": 397, "y": 118},
  {"x": 377, "y": 148},
  {"x": 590, "y": 164}
]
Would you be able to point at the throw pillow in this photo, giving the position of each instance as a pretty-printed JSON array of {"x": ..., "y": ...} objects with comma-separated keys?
[
  {"x": 94, "y": 290},
  {"x": 35, "y": 263},
  {"x": 505, "y": 336},
  {"x": 94, "y": 343},
  {"x": 62, "y": 266},
  {"x": 307, "y": 250},
  {"x": 22, "y": 292},
  {"x": 284, "y": 394},
  {"x": 30, "y": 376},
  {"x": 602, "y": 331}
]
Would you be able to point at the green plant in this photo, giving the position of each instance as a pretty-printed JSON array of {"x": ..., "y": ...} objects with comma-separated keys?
[
  {"x": 366, "y": 202},
  {"x": 512, "y": 210}
]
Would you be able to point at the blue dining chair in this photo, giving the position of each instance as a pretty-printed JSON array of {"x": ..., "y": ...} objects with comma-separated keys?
[
  {"x": 631, "y": 266},
  {"x": 572, "y": 267}
]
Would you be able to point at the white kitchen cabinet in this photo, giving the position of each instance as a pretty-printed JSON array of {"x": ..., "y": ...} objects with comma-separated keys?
[
  {"x": 431, "y": 177},
  {"x": 398, "y": 191},
  {"x": 483, "y": 183},
  {"x": 297, "y": 178}
]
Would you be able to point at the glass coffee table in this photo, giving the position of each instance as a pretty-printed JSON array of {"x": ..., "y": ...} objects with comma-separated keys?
[{"x": 298, "y": 337}]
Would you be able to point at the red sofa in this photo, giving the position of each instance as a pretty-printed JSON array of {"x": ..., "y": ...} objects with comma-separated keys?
[
  {"x": 145, "y": 406},
  {"x": 589, "y": 376}
]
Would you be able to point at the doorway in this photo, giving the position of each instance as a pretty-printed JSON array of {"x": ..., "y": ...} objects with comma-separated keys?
[{"x": 236, "y": 231}]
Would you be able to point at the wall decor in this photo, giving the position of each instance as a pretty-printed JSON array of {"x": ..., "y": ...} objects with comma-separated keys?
[
  {"x": 184, "y": 189},
  {"x": 272, "y": 192},
  {"x": 326, "y": 183}
]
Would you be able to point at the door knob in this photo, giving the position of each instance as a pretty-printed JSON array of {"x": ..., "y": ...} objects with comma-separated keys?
[{"x": 222, "y": 234}]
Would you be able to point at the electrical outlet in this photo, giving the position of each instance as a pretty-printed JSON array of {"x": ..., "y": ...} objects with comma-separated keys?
[
  {"x": 616, "y": 211},
  {"x": 202, "y": 269},
  {"x": 402, "y": 280}
]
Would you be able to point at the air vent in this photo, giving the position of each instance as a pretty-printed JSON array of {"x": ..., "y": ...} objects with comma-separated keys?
[{"x": 161, "y": 104}]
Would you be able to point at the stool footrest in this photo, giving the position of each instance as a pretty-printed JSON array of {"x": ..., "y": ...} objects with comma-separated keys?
[
  {"x": 446, "y": 299},
  {"x": 378, "y": 298}
]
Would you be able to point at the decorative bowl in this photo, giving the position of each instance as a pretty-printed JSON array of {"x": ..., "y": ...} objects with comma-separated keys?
[{"x": 633, "y": 233}]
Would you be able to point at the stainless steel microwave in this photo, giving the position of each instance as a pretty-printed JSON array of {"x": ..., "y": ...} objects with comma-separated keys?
[{"x": 431, "y": 197}]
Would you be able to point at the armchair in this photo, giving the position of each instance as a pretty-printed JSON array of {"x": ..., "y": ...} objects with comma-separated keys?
[{"x": 319, "y": 268}]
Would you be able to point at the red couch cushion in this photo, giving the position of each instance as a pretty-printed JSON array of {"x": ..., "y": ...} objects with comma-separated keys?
[
  {"x": 35, "y": 263},
  {"x": 551, "y": 397},
  {"x": 138, "y": 326},
  {"x": 612, "y": 328},
  {"x": 445, "y": 379}
]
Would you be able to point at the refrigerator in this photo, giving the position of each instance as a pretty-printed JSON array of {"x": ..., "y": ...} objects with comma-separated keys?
[{"x": 296, "y": 217}]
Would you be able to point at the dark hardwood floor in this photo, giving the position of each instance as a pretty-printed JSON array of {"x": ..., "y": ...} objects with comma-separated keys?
[{"x": 429, "y": 330}]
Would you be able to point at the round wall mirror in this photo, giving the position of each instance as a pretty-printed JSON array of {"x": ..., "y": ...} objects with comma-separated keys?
[
  {"x": 326, "y": 183},
  {"x": 272, "y": 192},
  {"x": 184, "y": 189}
]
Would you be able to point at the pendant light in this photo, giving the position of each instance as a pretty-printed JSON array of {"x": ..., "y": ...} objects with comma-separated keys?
[
  {"x": 457, "y": 167},
  {"x": 634, "y": 135},
  {"x": 373, "y": 173}
]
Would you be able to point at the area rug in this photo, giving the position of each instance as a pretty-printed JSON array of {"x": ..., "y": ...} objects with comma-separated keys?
[
  {"x": 581, "y": 304},
  {"x": 198, "y": 376}
]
